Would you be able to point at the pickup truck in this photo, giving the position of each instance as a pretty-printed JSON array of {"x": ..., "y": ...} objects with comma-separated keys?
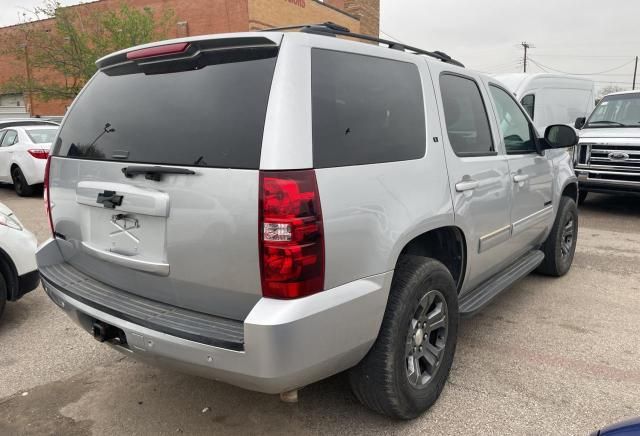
[{"x": 608, "y": 154}]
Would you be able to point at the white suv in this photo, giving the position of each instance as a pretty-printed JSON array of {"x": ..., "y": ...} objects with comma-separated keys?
[
  {"x": 23, "y": 156},
  {"x": 18, "y": 273}
]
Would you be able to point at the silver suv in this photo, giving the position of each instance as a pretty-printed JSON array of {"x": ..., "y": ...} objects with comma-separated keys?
[{"x": 269, "y": 209}]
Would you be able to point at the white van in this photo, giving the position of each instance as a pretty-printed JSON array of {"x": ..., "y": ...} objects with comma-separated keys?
[{"x": 552, "y": 98}]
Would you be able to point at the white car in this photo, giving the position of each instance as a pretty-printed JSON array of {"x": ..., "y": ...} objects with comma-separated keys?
[
  {"x": 18, "y": 271},
  {"x": 23, "y": 156}
]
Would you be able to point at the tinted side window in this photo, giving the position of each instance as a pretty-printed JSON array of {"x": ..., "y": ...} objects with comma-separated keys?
[
  {"x": 466, "y": 116},
  {"x": 514, "y": 125},
  {"x": 365, "y": 110},
  {"x": 10, "y": 138},
  {"x": 529, "y": 104}
]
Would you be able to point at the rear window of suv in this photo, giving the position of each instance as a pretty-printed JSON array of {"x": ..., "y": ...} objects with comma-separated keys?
[
  {"x": 365, "y": 110},
  {"x": 212, "y": 116}
]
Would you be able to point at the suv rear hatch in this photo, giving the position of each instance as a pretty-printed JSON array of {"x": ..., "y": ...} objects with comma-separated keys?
[{"x": 154, "y": 175}]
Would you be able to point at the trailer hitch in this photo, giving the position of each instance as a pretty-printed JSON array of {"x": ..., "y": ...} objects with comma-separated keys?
[{"x": 103, "y": 332}]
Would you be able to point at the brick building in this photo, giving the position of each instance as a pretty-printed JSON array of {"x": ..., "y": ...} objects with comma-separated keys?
[{"x": 198, "y": 17}]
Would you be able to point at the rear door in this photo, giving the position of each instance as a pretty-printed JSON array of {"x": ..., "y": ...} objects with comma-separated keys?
[
  {"x": 478, "y": 173},
  {"x": 154, "y": 175},
  {"x": 531, "y": 174}
]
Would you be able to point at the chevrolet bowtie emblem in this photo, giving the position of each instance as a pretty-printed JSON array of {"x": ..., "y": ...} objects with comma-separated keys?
[{"x": 109, "y": 199}]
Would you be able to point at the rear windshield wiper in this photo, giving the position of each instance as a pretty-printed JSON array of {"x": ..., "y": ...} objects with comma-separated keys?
[
  {"x": 154, "y": 172},
  {"x": 607, "y": 122}
]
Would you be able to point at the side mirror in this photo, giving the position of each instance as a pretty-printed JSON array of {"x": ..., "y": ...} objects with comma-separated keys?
[
  {"x": 560, "y": 136},
  {"x": 580, "y": 122}
]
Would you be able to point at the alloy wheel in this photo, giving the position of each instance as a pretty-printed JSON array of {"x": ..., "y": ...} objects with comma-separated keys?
[
  {"x": 426, "y": 339},
  {"x": 567, "y": 237}
]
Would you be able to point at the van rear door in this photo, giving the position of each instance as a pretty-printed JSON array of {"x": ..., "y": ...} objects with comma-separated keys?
[{"x": 154, "y": 174}]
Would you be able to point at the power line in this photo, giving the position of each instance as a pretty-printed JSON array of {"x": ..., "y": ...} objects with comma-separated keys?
[
  {"x": 391, "y": 36},
  {"x": 498, "y": 66},
  {"x": 581, "y": 74},
  {"x": 557, "y": 55}
]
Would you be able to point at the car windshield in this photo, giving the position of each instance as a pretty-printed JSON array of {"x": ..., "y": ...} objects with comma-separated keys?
[
  {"x": 622, "y": 110},
  {"x": 42, "y": 136}
]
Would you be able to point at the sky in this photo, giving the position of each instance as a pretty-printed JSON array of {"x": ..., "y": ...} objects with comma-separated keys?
[
  {"x": 11, "y": 10},
  {"x": 574, "y": 36}
]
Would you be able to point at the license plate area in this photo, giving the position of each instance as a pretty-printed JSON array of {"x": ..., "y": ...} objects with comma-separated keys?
[
  {"x": 125, "y": 233},
  {"x": 124, "y": 224}
]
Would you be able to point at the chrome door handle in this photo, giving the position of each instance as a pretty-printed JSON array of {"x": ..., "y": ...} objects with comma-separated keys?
[
  {"x": 519, "y": 178},
  {"x": 467, "y": 185}
]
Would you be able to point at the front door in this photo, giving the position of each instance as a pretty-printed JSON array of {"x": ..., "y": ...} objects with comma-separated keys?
[
  {"x": 531, "y": 174},
  {"x": 478, "y": 174}
]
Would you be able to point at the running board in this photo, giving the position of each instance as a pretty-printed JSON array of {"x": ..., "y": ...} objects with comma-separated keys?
[{"x": 475, "y": 300}]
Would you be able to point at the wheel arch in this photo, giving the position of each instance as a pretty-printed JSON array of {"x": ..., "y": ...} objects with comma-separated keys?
[
  {"x": 446, "y": 244},
  {"x": 9, "y": 273},
  {"x": 570, "y": 189}
]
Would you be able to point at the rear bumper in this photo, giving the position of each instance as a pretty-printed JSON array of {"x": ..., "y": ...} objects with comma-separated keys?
[
  {"x": 26, "y": 283},
  {"x": 32, "y": 168},
  {"x": 286, "y": 344}
]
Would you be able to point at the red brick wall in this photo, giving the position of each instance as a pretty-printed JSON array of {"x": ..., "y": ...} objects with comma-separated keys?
[
  {"x": 11, "y": 66},
  {"x": 369, "y": 13},
  {"x": 197, "y": 17},
  {"x": 335, "y": 3},
  {"x": 274, "y": 13}
]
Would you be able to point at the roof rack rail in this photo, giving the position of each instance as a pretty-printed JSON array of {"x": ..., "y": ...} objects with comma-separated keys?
[{"x": 332, "y": 29}]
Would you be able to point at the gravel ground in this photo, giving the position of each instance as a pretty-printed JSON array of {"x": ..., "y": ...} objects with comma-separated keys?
[{"x": 549, "y": 356}]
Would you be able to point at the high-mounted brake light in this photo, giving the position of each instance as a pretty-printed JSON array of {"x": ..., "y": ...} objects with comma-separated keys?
[
  {"x": 38, "y": 153},
  {"x": 47, "y": 198},
  {"x": 160, "y": 50},
  {"x": 291, "y": 234}
]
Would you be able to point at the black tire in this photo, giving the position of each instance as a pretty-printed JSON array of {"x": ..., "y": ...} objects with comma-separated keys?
[
  {"x": 582, "y": 196},
  {"x": 558, "y": 250},
  {"x": 22, "y": 188},
  {"x": 3, "y": 294},
  {"x": 382, "y": 380}
]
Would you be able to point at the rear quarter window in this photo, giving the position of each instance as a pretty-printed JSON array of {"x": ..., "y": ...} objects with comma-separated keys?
[{"x": 365, "y": 110}]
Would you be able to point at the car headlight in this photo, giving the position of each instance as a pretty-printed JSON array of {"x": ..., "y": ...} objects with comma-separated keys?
[{"x": 9, "y": 221}]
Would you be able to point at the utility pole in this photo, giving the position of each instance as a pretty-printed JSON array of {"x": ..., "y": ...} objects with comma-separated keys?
[
  {"x": 635, "y": 73},
  {"x": 526, "y": 47}
]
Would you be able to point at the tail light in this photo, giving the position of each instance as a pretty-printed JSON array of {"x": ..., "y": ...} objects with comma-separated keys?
[
  {"x": 291, "y": 234},
  {"x": 38, "y": 153},
  {"x": 47, "y": 199}
]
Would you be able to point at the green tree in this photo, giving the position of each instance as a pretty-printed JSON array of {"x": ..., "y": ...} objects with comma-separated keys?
[{"x": 59, "y": 45}]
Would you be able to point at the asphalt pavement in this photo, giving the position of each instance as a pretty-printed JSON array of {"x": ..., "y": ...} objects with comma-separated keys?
[{"x": 549, "y": 356}]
